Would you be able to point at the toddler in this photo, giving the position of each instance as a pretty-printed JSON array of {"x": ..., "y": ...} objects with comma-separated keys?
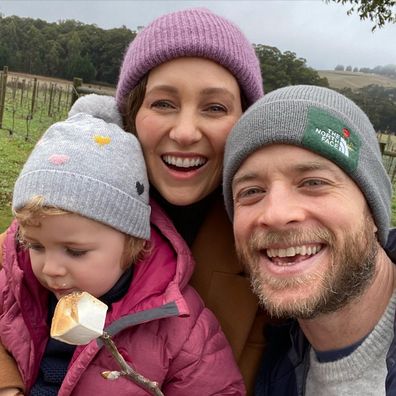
[{"x": 83, "y": 223}]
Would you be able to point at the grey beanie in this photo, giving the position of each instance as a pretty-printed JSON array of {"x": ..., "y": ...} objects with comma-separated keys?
[
  {"x": 320, "y": 120},
  {"x": 90, "y": 167}
]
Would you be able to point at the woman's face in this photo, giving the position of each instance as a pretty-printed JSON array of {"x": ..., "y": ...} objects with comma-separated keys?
[{"x": 189, "y": 108}]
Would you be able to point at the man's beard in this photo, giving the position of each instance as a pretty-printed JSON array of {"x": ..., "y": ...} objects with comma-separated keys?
[{"x": 350, "y": 270}]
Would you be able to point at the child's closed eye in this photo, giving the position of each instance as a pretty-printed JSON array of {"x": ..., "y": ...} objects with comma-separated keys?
[
  {"x": 76, "y": 252},
  {"x": 32, "y": 246}
]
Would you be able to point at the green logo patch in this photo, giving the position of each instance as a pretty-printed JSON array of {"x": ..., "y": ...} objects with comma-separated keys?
[{"x": 328, "y": 136}]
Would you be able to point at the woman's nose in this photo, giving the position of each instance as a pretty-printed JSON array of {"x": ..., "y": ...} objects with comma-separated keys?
[{"x": 185, "y": 131}]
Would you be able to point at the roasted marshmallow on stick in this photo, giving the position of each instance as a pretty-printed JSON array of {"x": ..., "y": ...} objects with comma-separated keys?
[{"x": 78, "y": 318}]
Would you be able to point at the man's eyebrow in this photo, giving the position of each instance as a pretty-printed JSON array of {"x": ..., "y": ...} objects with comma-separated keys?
[
  {"x": 244, "y": 178},
  {"x": 293, "y": 168},
  {"x": 310, "y": 166}
]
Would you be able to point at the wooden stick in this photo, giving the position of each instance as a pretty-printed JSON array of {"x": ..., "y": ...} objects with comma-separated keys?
[{"x": 151, "y": 386}]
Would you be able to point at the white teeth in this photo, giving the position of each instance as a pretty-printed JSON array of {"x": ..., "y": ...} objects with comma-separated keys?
[
  {"x": 303, "y": 250},
  {"x": 183, "y": 162},
  {"x": 290, "y": 252}
]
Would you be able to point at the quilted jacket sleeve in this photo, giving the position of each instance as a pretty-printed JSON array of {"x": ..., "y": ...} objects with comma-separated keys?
[
  {"x": 205, "y": 365},
  {"x": 9, "y": 373},
  {"x": 2, "y": 238}
]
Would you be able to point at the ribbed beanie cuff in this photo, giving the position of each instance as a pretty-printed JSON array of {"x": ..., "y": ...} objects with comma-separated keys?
[
  {"x": 322, "y": 121},
  {"x": 84, "y": 195}
]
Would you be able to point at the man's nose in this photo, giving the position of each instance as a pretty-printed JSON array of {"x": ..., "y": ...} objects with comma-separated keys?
[{"x": 281, "y": 207}]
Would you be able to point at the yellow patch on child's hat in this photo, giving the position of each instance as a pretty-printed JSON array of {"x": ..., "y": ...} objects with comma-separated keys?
[{"x": 102, "y": 140}]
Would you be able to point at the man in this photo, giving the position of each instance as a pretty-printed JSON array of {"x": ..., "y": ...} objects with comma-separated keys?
[{"x": 310, "y": 201}]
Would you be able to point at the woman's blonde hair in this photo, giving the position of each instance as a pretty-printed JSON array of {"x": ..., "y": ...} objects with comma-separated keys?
[{"x": 35, "y": 210}]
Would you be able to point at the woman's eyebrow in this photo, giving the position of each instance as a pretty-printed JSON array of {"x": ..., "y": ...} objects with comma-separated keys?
[
  {"x": 218, "y": 91},
  {"x": 162, "y": 88}
]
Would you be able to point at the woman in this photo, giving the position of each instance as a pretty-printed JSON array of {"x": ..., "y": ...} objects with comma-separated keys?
[{"x": 185, "y": 80}]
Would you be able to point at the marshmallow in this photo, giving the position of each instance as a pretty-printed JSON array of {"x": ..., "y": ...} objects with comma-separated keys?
[{"x": 78, "y": 318}]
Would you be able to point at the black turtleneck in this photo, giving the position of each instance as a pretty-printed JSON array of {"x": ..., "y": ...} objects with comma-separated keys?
[{"x": 189, "y": 218}]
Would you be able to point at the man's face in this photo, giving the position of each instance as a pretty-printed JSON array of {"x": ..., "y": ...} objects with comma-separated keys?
[{"x": 303, "y": 229}]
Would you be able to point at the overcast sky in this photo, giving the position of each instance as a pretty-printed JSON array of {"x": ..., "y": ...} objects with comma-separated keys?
[{"x": 321, "y": 33}]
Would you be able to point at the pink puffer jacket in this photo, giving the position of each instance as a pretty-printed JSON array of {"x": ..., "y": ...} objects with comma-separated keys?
[{"x": 160, "y": 327}]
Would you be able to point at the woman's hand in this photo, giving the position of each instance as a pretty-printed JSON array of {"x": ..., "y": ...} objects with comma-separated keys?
[{"x": 10, "y": 392}]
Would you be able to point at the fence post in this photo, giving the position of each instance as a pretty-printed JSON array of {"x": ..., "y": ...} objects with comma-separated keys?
[
  {"x": 33, "y": 96},
  {"x": 77, "y": 82},
  {"x": 3, "y": 86},
  {"x": 52, "y": 87},
  {"x": 1, "y": 99}
]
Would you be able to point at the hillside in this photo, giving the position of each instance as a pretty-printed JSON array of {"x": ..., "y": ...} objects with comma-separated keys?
[{"x": 343, "y": 79}]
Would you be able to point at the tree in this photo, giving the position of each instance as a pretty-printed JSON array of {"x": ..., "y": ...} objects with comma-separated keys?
[
  {"x": 339, "y": 68},
  {"x": 378, "y": 102},
  {"x": 380, "y": 12},
  {"x": 348, "y": 68},
  {"x": 78, "y": 64},
  {"x": 53, "y": 58},
  {"x": 281, "y": 69}
]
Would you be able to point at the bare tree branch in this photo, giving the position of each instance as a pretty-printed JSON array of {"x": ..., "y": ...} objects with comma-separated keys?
[{"x": 151, "y": 386}]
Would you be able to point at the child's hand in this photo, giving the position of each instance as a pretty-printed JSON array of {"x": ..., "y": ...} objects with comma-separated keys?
[{"x": 10, "y": 392}]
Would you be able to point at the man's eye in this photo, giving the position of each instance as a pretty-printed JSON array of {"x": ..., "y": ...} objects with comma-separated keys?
[
  {"x": 249, "y": 194},
  {"x": 314, "y": 182},
  {"x": 250, "y": 191}
]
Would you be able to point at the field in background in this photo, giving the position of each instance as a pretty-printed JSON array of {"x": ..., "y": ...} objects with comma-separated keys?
[
  {"x": 343, "y": 79},
  {"x": 31, "y": 104},
  {"x": 22, "y": 128}
]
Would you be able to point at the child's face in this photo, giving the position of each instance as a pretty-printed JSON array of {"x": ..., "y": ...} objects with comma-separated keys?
[{"x": 72, "y": 253}]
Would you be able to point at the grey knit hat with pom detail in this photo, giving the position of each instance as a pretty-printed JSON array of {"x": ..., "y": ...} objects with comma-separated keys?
[
  {"x": 90, "y": 167},
  {"x": 324, "y": 122}
]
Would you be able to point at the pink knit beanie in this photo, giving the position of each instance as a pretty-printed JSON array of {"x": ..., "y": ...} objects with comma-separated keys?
[{"x": 193, "y": 32}]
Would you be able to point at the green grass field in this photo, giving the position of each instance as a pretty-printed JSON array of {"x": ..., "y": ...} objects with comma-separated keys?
[
  {"x": 355, "y": 80},
  {"x": 15, "y": 147},
  {"x": 13, "y": 153},
  {"x": 19, "y": 133}
]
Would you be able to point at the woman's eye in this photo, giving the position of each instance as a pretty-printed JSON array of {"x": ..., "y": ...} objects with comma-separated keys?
[
  {"x": 216, "y": 108},
  {"x": 162, "y": 105},
  {"x": 76, "y": 252}
]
